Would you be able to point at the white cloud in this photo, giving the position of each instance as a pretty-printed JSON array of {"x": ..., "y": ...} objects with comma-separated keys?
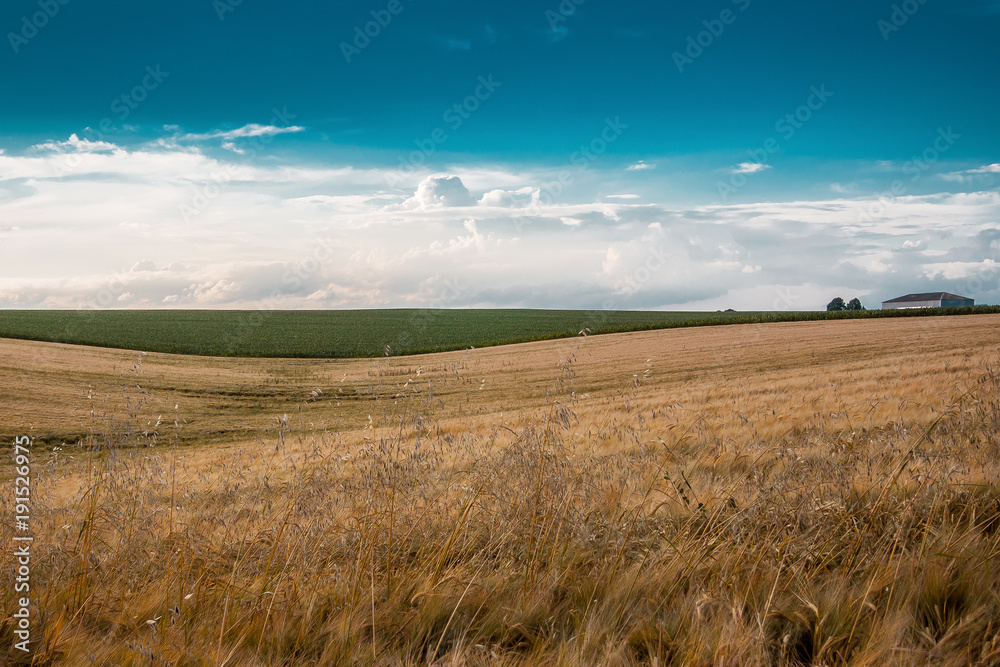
[
  {"x": 961, "y": 270},
  {"x": 76, "y": 145},
  {"x": 473, "y": 240},
  {"x": 521, "y": 197},
  {"x": 214, "y": 291},
  {"x": 639, "y": 166},
  {"x": 844, "y": 188},
  {"x": 249, "y": 130},
  {"x": 293, "y": 236},
  {"x": 440, "y": 191},
  {"x": 968, "y": 174},
  {"x": 750, "y": 168}
]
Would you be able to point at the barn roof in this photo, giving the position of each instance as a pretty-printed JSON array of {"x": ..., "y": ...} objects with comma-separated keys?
[{"x": 928, "y": 296}]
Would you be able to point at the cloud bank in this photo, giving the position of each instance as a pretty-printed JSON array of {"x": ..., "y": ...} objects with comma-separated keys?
[{"x": 92, "y": 224}]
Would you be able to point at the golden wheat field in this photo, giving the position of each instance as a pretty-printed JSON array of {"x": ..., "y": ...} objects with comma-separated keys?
[{"x": 815, "y": 493}]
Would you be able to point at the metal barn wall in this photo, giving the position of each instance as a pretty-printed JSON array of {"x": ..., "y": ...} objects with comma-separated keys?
[{"x": 911, "y": 304}]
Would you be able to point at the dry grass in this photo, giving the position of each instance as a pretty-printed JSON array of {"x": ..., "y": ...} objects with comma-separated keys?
[{"x": 809, "y": 493}]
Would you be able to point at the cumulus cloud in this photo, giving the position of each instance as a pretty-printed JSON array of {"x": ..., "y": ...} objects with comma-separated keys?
[
  {"x": 440, "y": 191},
  {"x": 750, "y": 168},
  {"x": 519, "y": 198},
  {"x": 214, "y": 292}
]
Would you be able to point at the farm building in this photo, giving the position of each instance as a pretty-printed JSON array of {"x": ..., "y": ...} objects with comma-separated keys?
[{"x": 928, "y": 300}]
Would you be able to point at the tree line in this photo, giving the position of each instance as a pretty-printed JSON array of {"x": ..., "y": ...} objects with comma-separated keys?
[{"x": 838, "y": 304}]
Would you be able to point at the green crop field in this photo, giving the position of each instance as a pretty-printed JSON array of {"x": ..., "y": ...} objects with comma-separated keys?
[{"x": 366, "y": 333}]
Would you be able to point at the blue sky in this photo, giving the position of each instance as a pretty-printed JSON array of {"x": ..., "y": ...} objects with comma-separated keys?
[{"x": 739, "y": 153}]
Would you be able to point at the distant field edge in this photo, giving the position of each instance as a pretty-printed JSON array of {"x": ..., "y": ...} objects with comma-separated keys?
[{"x": 334, "y": 334}]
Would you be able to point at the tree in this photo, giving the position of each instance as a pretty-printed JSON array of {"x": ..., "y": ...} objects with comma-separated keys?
[
  {"x": 836, "y": 304},
  {"x": 855, "y": 304}
]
